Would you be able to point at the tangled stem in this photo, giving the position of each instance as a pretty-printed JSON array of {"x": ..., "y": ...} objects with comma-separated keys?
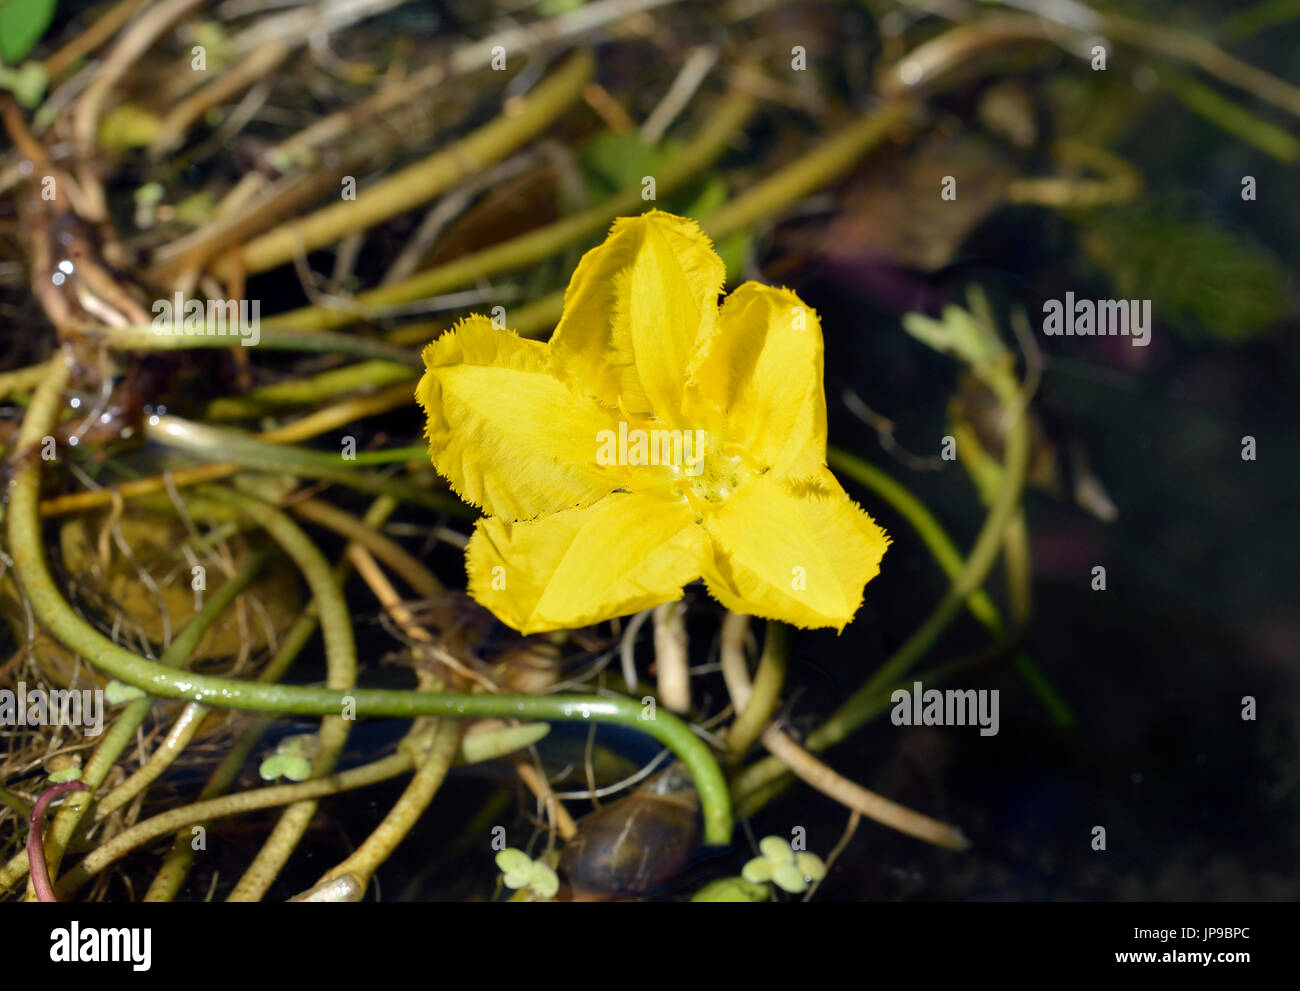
[{"x": 65, "y": 625}]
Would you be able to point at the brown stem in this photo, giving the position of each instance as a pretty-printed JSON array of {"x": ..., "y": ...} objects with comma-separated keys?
[{"x": 40, "y": 871}]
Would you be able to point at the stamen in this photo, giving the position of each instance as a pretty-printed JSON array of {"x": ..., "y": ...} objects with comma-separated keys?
[
  {"x": 685, "y": 488},
  {"x": 734, "y": 450}
]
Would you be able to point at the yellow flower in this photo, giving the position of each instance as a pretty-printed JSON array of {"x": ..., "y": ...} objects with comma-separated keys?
[{"x": 657, "y": 439}]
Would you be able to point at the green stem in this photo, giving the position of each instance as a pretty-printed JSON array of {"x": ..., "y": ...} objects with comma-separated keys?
[
  {"x": 806, "y": 174},
  {"x": 760, "y": 778},
  {"x": 20, "y": 808},
  {"x": 167, "y": 882},
  {"x": 63, "y": 623},
  {"x": 424, "y": 784},
  {"x": 176, "y": 866},
  {"x": 191, "y": 718},
  {"x": 221, "y": 444},
  {"x": 341, "y": 674},
  {"x": 425, "y": 179},
  {"x": 982, "y": 557},
  {"x": 765, "y": 695},
  {"x": 539, "y": 245},
  {"x": 926, "y": 525},
  {"x": 21, "y": 379},
  {"x": 278, "y": 338},
  {"x": 122, "y": 732},
  {"x": 310, "y": 390},
  {"x": 763, "y": 200},
  {"x": 228, "y": 805},
  {"x": 1230, "y": 117}
]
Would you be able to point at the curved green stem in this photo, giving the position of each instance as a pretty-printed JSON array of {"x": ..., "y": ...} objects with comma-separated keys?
[
  {"x": 63, "y": 623},
  {"x": 167, "y": 882},
  {"x": 430, "y": 772},
  {"x": 124, "y": 727},
  {"x": 341, "y": 675}
]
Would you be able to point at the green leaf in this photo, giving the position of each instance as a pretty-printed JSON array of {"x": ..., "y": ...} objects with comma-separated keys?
[
  {"x": 613, "y": 162},
  {"x": 272, "y": 767},
  {"x": 776, "y": 850},
  {"x": 514, "y": 862},
  {"x": 1207, "y": 280},
  {"x": 27, "y": 83},
  {"x": 544, "y": 881},
  {"x": 789, "y": 878},
  {"x": 811, "y": 865},
  {"x": 731, "y": 889},
  {"x": 22, "y": 23},
  {"x": 758, "y": 871},
  {"x": 116, "y": 692},
  {"x": 295, "y": 768}
]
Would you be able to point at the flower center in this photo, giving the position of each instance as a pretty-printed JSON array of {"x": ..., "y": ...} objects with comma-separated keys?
[
  {"x": 712, "y": 473},
  {"x": 692, "y": 464}
]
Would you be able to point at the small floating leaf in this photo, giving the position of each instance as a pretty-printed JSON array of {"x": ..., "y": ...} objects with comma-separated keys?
[
  {"x": 271, "y": 768},
  {"x": 116, "y": 693},
  {"x": 27, "y": 83},
  {"x": 296, "y": 768},
  {"x": 810, "y": 865},
  {"x": 477, "y": 747},
  {"x": 789, "y": 878},
  {"x": 544, "y": 881},
  {"x": 517, "y": 867},
  {"x": 776, "y": 850},
  {"x": 757, "y": 871},
  {"x": 731, "y": 889}
]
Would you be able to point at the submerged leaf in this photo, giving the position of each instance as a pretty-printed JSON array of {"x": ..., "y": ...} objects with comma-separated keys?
[{"x": 1202, "y": 278}]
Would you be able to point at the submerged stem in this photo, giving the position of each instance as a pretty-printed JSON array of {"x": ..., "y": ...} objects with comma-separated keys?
[{"x": 62, "y": 622}]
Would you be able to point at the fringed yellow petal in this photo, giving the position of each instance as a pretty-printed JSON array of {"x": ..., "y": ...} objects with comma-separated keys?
[
  {"x": 636, "y": 312},
  {"x": 626, "y": 553},
  {"x": 800, "y": 555},
  {"x": 505, "y": 433},
  {"x": 763, "y": 371}
]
